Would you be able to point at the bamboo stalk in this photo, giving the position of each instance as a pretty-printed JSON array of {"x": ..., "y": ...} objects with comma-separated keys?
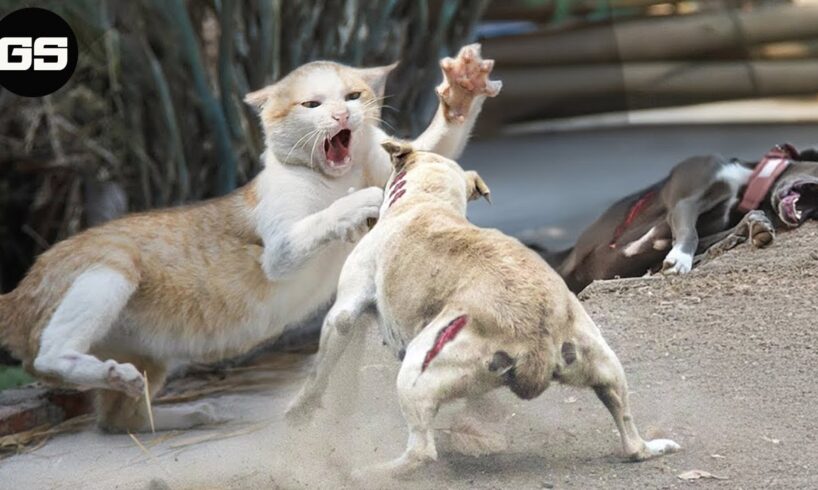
[
  {"x": 226, "y": 159},
  {"x": 175, "y": 137},
  {"x": 650, "y": 39},
  {"x": 696, "y": 79},
  {"x": 226, "y": 78}
]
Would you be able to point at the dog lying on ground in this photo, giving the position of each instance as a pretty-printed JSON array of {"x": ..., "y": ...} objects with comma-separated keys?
[
  {"x": 467, "y": 310},
  {"x": 706, "y": 204}
]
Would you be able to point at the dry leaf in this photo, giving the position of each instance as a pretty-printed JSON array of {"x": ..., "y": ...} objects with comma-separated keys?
[
  {"x": 717, "y": 456},
  {"x": 770, "y": 439},
  {"x": 570, "y": 399},
  {"x": 698, "y": 474}
]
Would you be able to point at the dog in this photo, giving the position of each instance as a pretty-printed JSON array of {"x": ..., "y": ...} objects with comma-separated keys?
[
  {"x": 708, "y": 204},
  {"x": 466, "y": 309}
]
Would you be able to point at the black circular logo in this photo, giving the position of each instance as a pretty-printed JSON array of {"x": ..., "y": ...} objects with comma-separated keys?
[{"x": 38, "y": 52}]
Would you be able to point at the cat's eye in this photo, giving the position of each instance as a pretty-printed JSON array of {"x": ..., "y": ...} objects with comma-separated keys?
[
  {"x": 353, "y": 96},
  {"x": 311, "y": 104}
]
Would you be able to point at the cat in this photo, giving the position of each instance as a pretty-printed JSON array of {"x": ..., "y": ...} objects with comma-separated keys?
[{"x": 137, "y": 296}]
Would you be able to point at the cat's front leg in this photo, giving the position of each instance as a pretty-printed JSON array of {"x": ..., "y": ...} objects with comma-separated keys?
[
  {"x": 466, "y": 83},
  {"x": 345, "y": 219},
  {"x": 465, "y": 86}
]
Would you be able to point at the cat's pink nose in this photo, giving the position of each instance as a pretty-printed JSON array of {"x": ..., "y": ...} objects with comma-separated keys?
[{"x": 341, "y": 117}]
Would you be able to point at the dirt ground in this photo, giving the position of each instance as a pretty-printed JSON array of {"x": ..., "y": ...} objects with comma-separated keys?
[{"x": 722, "y": 361}]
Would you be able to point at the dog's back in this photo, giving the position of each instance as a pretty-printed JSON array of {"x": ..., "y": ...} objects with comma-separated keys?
[{"x": 511, "y": 296}]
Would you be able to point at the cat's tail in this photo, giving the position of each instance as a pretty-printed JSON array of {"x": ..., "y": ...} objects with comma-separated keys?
[{"x": 10, "y": 338}]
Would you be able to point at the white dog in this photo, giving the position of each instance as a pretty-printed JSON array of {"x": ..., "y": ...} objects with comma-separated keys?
[{"x": 467, "y": 309}]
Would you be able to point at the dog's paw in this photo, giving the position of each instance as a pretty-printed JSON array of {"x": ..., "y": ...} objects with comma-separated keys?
[
  {"x": 464, "y": 78},
  {"x": 659, "y": 447},
  {"x": 761, "y": 229},
  {"x": 397, "y": 468},
  {"x": 677, "y": 262},
  {"x": 124, "y": 378}
]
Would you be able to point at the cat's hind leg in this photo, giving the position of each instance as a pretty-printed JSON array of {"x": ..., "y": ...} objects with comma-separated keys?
[
  {"x": 85, "y": 315},
  {"x": 118, "y": 412}
]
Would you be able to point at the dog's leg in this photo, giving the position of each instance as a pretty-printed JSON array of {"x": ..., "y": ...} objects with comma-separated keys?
[
  {"x": 353, "y": 309},
  {"x": 459, "y": 369},
  {"x": 85, "y": 315},
  {"x": 480, "y": 427},
  {"x": 698, "y": 186},
  {"x": 591, "y": 362},
  {"x": 338, "y": 329},
  {"x": 755, "y": 226},
  {"x": 682, "y": 219}
]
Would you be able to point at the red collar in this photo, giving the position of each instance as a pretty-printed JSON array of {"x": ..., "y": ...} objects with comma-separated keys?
[
  {"x": 765, "y": 174},
  {"x": 634, "y": 212}
]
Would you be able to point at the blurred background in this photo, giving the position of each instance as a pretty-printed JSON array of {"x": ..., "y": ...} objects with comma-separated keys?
[{"x": 600, "y": 98}]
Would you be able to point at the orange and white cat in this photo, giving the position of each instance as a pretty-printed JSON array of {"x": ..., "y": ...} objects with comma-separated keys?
[{"x": 203, "y": 282}]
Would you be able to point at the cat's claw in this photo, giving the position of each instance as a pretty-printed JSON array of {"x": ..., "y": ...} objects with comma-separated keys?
[{"x": 464, "y": 78}]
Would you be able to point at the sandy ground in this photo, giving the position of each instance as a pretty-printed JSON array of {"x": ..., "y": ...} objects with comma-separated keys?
[{"x": 723, "y": 361}]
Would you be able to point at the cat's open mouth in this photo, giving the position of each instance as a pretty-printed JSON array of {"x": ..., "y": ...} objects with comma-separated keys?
[{"x": 336, "y": 148}]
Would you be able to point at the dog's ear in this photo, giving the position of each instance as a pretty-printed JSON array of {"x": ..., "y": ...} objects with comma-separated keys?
[
  {"x": 476, "y": 187},
  {"x": 399, "y": 152}
]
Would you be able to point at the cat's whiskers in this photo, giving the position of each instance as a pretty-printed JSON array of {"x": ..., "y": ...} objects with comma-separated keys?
[
  {"x": 321, "y": 136},
  {"x": 381, "y": 121},
  {"x": 376, "y": 102},
  {"x": 297, "y": 143}
]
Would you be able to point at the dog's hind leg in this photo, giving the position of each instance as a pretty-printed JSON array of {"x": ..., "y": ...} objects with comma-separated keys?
[
  {"x": 591, "y": 362},
  {"x": 682, "y": 219},
  {"x": 445, "y": 361},
  {"x": 698, "y": 185},
  {"x": 84, "y": 316}
]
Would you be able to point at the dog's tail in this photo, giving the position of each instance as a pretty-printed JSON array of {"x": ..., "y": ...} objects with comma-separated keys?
[{"x": 527, "y": 375}]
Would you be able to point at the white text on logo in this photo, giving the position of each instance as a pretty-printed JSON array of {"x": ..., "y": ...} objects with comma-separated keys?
[{"x": 20, "y": 51}]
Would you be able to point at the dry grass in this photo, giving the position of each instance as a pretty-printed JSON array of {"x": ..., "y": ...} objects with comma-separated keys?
[{"x": 198, "y": 384}]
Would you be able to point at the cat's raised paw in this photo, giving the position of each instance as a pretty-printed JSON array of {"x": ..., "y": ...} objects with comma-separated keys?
[{"x": 464, "y": 78}]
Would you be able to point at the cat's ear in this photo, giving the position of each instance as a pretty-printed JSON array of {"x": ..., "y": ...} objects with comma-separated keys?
[
  {"x": 399, "y": 152},
  {"x": 259, "y": 98},
  {"x": 376, "y": 77},
  {"x": 476, "y": 187}
]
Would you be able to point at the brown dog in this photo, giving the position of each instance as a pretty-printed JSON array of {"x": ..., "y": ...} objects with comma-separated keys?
[
  {"x": 467, "y": 310},
  {"x": 706, "y": 204}
]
